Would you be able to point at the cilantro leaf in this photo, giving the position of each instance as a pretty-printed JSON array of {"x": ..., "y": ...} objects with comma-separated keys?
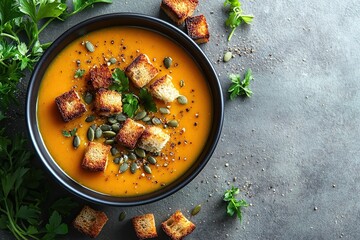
[
  {"x": 55, "y": 226},
  {"x": 79, "y": 73},
  {"x": 80, "y": 5},
  {"x": 121, "y": 81},
  {"x": 70, "y": 133},
  {"x": 147, "y": 100},
  {"x": 240, "y": 87},
  {"x": 234, "y": 205},
  {"x": 130, "y": 104}
]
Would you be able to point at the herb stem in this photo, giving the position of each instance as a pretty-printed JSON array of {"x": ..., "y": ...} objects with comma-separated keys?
[
  {"x": 231, "y": 34},
  {"x": 45, "y": 24},
  {"x": 10, "y": 36}
]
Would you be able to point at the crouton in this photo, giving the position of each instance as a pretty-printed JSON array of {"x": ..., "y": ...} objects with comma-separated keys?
[
  {"x": 70, "y": 105},
  {"x": 107, "y": 102},
  {"x": 141, "y": 71},
  {"x": 100, "y": 77},
  {"x": 96, "y": 157},
  {"x": 153, "y": 139},
  {"x": 177, "y": 226},
  {"x": 164, "y": 89},
  {"x": 129, "y": 133},
  {"x": 179, "y": 10},
  {"x": 197, "y": 29},
  {"x": 144, "y": 226},
  {"x": 90, "y": 221}
]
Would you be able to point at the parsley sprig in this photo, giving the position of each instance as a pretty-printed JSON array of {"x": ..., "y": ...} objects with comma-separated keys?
[
  {"x": 240, "y": 87},
  {"x": 120, "y": 81},
  {"x": 236, "y": 16},
  {"x": 234, "y": 205}
]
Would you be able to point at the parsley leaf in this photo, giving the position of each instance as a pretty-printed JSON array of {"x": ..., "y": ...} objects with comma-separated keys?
[
  {"x": 70, "y": 133},
  {"x": 64, "y": 205},
  {"x": 55, "y": 226},
  {"x": 234, "y": 205},
  {"x": 147, "y": 100},
  {"x": 121, "y": 81},
  {"x": 130, "y": 104},
  {"x": 236, "y": 16},
  {"x": 79, "y": 73},
  {"x": 80, "y": 5},
  {"x": 240, "y": 87}
]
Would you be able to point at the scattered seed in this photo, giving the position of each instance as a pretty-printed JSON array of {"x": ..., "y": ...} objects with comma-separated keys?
[
  {"x": 90, "y": 118},
  {"x": 112, "y": 60},
  {"x": 91, "y": 134},
  {"x": 156, "y": 121},
  {"x": 133, "y": 167},
  {"x": 227, "y": 56},
  {"x": 146, "y": 119},
  {"x": 125, "y": 157},
  {"x": 182, "y": 83},
  {"x": 140, "y": 115},
  {"x": 164, "y": 110},
  {"x": 109, "y": 134},
  {"x": 114, "y": 151},
  {"x": 115, "y": 127},
  {"x": 173, "y": 123},
  {"x": 140, "y": 152},
  {"x": 93, "y": 126},
  {"x": 182, "y": 100},
  {"x": 151, "y": 160},
  {"x": 98, "y": 133},
  {"x": 89, "y": 46},
  {"x": 123, "y": 167},
  {"x": 76, "y": 141},
  {"x": 112, "y": 120},
  {"x": 196, "y": 210},
  {"x": 147, "y": 169},
  {"x": 105, "y": 127},
  {"x": 122, "y": 216},
  {"x": 116, "y": 160},
  {"x": 167, "y": 62},
  {"x": 88, "y": 98},
  {"x": 109, "y": 141},
  {"x": 132, "y": 156},
  {"x": 120, "y": 117}
]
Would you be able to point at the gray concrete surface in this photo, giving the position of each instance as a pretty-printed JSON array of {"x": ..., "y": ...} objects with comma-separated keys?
[{"x": 293, "y": 148}]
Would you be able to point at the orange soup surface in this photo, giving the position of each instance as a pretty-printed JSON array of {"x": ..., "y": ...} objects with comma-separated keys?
[{"x": 125, "y": 44}]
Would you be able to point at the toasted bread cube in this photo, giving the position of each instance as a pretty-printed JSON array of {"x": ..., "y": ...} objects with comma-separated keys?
[
  {"x": 144, "y": 226},
  {"x": 100, "y": 77},
  {"x": 141, "y": 71},
  {"x": 177, "y": 226},
  {"x": 90, "y": 221},
  {"x": 179, "y": 10},
  {"x": 96, "y": 157},
  {"x": 70, "y": 105},
  {"x": 107, "y": 102},
  {"x": 198, "y": 29},
  {"x": 164, "y": 89},
  {"x": 153, "y": 139},
  {"x": 130, "y": 133}
]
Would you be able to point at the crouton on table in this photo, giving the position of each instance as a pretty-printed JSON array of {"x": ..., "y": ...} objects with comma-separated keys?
[
  {"x": 96, "y": 157},
  {"x": 197, "y": 28},
  {"x": 70, "y": 105},
  {"x": 107, "y": 102},
  {"x": 144, "y": 226},
  {"x": 129, "y": 134},
  {"x": 90, "y": 221},
  {"x": 100, "y": 77},
  {"x": 141, "y": 71},
  {"x": 164, "y": 89},
  {"x": 179, "y": 10},
  {"x": 153, "y": 139},
  {"x": 177, "y": 226}
]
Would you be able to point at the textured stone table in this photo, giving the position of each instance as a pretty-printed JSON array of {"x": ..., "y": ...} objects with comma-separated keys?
[{"x": 293, "y": 148}]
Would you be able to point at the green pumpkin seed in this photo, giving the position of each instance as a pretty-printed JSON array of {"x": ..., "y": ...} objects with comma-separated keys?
[
  {"x": 88, "y": 98},
  {"x": 112, "y": 120},
  {"x": 112, "y": 60},
  {"x": 140, "y": 115},
  {"x": 123, "y": 167},
  {"x": 133, "y": 167},
  {"x": 196, "y": 210},
  {"x": 120, "y": 117},
  {"x": 89, "y": 46},
  {"x": 182, "y": 100},
  {"x": 114, "y": 151},
  {"x": 125, "y": 157},
  {"x": 156, "y": 121},
  {"x": 167, "y": 62},
  {"x": 151, "y": 160},
  {"x": 173, "y": 123},
  {"x": 115, "y": 127},
  {"x": 98, "y": 133},
  {"x": 227, "y": 56},
  {"x": 105, "y": 127},
  {"x": 91, "y": 134},
  {"x": 132, "y": 156},
  {"x": 109, "y": 134},
  {"x": 90, "y": 118},
  {"x": 122, "y": 216},
  {"x": 76, "y": 141},
  {"x": 164, "y": 110},
  {"x": 146, "y": 119},
  {"x": 109, "y": 141},
  {"x": 140, "y": 152},
  {"x": 116, "y": 160},
  {"x": 147, "y": 169},
  {"x": 182, "y": 83},
  {"x": 93, "y": 126}
]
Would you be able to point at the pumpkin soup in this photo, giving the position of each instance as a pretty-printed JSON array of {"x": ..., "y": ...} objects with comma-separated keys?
[{"x": 155, "y": 127}]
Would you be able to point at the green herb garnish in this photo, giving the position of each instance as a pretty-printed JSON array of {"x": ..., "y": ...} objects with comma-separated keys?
[
  {"x": 79, "y": 73},
  {"x": 236, "y": 16},
  {"x": 240, "y": 87},
  {"x": 130, "y": 104},
  {"x": 70, "y": 133},
  {"x": 121, "y": 81},
  {"x": 234, "y": 205},
  {"x": 147, "y": 100}
]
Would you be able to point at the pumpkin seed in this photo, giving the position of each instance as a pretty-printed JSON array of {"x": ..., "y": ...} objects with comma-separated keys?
[
  {"x": 98, "y": 133},
  {"x": 227, "y": 56},
  {"x": 116, "y": 160},
  {"x": 115, "y": 127},
  {"x": 151, "y": 160},
  {"x": 109, "y": 134},
  {"x": 122, "y": 216},
  {"x": 105, "y": 127},
  {"x": 146, "y": 119},
  {"x": 182, "y": 83},
  {"x": 140, "y": 115},
  {"x": 167, "y": 62},
  {"x": 90, "y": 118},
  {"x": 164, "y": 110},
  {"x": 89, "y": 46},
  {"x": 147, "y": 169},
  {"x": 196, "y": 210},
  {"x": 156, "y": 121},
  {"x": 109, "y": 141},
  {"x": 120, "y": 117},
  {"x": 125, "y": 157},
  {"x": 112, "y": 60},
  {"x": 112, "y": 120},
  {"x": 133, "y": 167},
  {"x": 76, "y": 141},
  {"x": 182, "y": 100},
  {"x": 93, "y": 126},
  {"x": 132, "y": 156},
  {"x": 140, "y": 152},
  {"x": 90, "y": 134},
  {"x": 88, "y": 98},
  {"x": 114, "y": 151},
  {"x": 123, "y": 167},
  {"x": 173, "y": 123}
]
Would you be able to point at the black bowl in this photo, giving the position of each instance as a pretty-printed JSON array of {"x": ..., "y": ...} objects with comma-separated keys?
[{"x": 124, "y": 19}]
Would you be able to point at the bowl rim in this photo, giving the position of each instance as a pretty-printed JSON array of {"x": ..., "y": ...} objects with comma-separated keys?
[{"x": 162, "y": 27}]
